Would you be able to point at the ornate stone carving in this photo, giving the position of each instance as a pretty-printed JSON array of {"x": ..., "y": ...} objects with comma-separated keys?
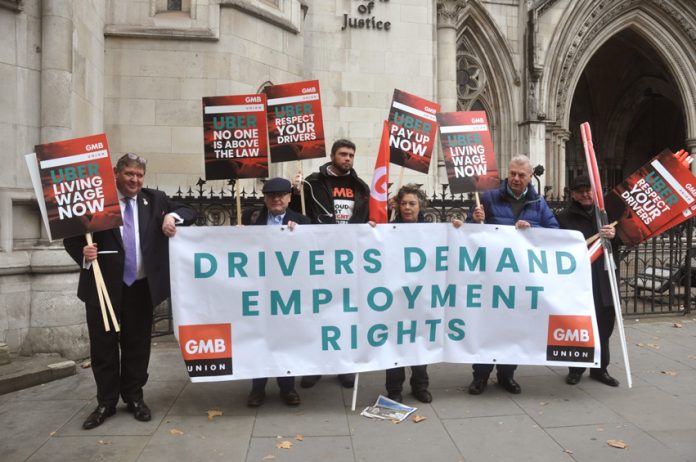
[
  {"x": 448, "y": 12},
  {"x": 471, "y": 78}
]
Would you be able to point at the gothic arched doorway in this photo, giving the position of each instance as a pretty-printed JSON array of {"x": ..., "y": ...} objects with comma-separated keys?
[{"x": 633, "y": 105}]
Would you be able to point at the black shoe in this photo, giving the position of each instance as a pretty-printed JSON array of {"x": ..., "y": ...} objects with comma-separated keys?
[
  {"x": 422, "y": 395},
  {"x": 347, "y": 380},
  {"x": 477, "y": 386},
  {"x": 290, "y": 397},
  {"x": 605, "y": 378},
  {"x": 395, "y": 396},
  {"x": 509, "y": 384},
  {"x": 309, "y": 381},
  {"x": 98, "y": 416},
  {"x": 573, "y": 378},
  {"x": 256, "y": 398},
  {"x": 139, "y": 410}
]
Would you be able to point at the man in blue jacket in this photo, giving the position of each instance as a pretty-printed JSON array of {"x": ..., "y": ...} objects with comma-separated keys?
[{"x": 515, "y": 203}]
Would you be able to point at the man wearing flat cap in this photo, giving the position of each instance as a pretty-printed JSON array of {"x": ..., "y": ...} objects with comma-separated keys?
[
  {"x": 276, "y": 197},
  {"x": 580, "y": 216}
]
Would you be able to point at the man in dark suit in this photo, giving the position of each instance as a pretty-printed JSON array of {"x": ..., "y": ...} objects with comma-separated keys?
[
  {"x": 137, "y": 279},
  {"x": 276, "y": 197}
]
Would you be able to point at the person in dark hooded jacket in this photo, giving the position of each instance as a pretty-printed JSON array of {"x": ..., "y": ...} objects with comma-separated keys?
[{"x": 334, "y": 194}]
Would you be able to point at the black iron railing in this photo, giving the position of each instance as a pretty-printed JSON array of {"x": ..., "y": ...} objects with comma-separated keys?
[{"x": 655, "y": 277}]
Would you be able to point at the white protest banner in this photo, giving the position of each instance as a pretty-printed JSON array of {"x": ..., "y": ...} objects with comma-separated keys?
[{"x": 266, "y": 301}]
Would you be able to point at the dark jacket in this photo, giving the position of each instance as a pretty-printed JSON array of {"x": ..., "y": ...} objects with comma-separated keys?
[
  {"x": 289, "y": 215},
  {"x": 576, "y": 218},
  {"x": 319, "y": 203},
  {"x": 498, "y": 209},
  {"x": 152, "y": 207}
]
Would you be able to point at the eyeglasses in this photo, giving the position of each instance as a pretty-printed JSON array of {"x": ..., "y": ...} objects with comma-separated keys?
[{"x": 135, "y": 157}]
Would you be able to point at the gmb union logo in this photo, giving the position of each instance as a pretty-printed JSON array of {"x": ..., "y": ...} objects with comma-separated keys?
[
  {"x": 207, "y": 349},
  {"x": 570, "y": 338}
]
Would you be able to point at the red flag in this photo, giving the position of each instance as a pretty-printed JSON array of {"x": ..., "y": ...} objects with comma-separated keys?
[{"x": 379, "y": 192}]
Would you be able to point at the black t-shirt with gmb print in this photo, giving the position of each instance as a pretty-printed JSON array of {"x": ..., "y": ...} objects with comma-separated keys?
[{"x": 342, "y": 189}]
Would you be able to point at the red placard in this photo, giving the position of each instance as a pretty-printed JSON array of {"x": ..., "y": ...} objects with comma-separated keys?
[
  {"x": 79, "y": 187},
  {"x": 295, "y": 124},
  {"x": 235, "y": 137},
  {"x": 469, "y": 157},
  {"x": 652, "y": 198},
  {"x": 412, "y": 131}
]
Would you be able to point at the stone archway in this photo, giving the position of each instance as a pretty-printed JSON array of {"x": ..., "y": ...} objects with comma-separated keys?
[
  {"x": 633, "y": 105},
  {"x": 662, "y": 37}
]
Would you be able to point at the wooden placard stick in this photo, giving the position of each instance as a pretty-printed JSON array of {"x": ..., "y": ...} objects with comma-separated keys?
[
  {"x": 239, "y": 202},
  {"x": 478, "y": 202},
  {"x": 302, "y": 201},
  {"x": 594, "y": 237},
  {"x": 97, "y": 281},
  {"x": 398, "y": 187},
  {"x": 105, "y": 295}
]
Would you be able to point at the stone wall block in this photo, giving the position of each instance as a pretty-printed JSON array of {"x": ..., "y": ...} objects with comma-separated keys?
[
  {"x": 55, "y": 95},
  {"x": 71, "y": 342},
  {"x": 189, "y": 140},
  {"x": 126, "y": 111},
  {"x": 54, "y": 308},
  {"x": 142, "y": 139},
  {"x": 57, "y": 51}
]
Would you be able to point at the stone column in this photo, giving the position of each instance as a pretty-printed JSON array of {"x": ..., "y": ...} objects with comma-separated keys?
[
  {"x": 691, "y": 149},
  {"x": 563, "y": 137},
  {"x": 56, "y": 70},
  {"x": 447, "y": 14}
]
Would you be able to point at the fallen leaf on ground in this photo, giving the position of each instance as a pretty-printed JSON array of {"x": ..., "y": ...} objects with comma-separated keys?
[
  {"x": 284, "y": 445},
  {"x": 214, "y": 413},
  {"x": 418, "y": 418},
  {"x": 104, "y": 442},
  {"x": 543, "y": 403},
  {"x": 268, "y": 457},
  {"x": 175, "y": 431},
  {"x": 640, "y": 345},
  {"x": 654, "y": 345},
  {"x": 617, "y": 444},
  {"x": 670, "y": 373},
  {"x": 677, "y": 325},
  {"x": 394, "y": 421},
  {"x": 299, "y": 437},
  {"x": 52, "y": 433},
  {"x": 567, "y": 451},
  {"x": 86, "y": 364}
]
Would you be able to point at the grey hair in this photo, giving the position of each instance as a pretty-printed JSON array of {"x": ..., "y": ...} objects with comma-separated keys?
[
  {"x": 521, "y": 159},
  {"x": 129, "y": 160}
]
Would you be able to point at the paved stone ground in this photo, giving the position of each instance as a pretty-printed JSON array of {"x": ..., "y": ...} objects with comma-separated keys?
[{"x": 549, "y": 421}]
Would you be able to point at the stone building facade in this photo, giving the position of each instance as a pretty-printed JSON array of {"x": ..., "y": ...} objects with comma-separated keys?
[{"x": 137, "y": 69}]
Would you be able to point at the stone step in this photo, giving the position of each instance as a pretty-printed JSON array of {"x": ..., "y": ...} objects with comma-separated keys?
[{"x": 28, "y": 371}]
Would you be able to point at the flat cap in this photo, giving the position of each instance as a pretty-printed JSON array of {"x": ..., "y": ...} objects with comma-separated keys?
[{"x": 277, "y": 185}]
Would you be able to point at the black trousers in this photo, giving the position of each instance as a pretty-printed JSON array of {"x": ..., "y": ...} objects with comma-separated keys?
[
  {"x": 483, "y": 371},
  {"x": 284, "y": 383},
  {"x": 397, "y": 375},
  {"x": 606, "y": 317},
  {"x": 120, "y": 360}
]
